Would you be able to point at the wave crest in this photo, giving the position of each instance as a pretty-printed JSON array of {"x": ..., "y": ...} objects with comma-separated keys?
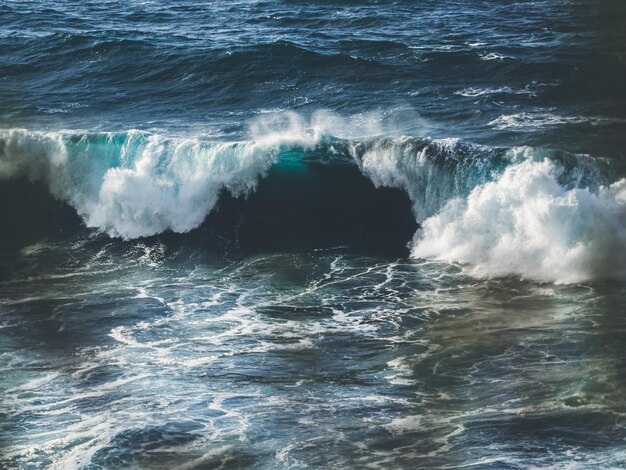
[
  {"x": 135, "y": 184},
  {"x": 541, "y": 214}
]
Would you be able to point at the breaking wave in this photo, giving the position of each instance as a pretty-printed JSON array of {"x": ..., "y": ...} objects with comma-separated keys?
[{"x": 540, "y": 214}]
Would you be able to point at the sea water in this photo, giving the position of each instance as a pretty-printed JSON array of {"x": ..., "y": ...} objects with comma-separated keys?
[{"x": 285, "y": 234}]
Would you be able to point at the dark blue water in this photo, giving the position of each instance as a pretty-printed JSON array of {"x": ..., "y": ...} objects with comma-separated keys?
[{"x": 284, "y": 234}]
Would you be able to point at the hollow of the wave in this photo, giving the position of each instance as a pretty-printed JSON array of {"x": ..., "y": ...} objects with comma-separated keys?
[
  {"x": 317, "y": 206},
  {"x": 299, "y": 207}
]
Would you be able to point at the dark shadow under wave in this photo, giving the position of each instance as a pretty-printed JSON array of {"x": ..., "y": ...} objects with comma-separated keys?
[{"x": 321, "y": 208}]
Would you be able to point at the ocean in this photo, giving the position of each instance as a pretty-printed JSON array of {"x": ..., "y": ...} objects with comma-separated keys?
[{"x": 323, "y": 234}]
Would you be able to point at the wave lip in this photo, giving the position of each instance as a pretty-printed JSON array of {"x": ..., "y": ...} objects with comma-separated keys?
[{"x": 430, "y": 171}]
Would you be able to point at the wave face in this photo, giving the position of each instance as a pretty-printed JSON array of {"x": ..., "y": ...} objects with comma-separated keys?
[{"x": 541, "y": 214}]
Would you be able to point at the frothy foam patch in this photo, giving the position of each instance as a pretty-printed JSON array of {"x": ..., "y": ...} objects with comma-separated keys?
[
  {"x": 473, "y": 92},
  {"x": 526, "y": 223},
  {"x": 493, "y": 56},
  {"x": 532, "y": 121}
]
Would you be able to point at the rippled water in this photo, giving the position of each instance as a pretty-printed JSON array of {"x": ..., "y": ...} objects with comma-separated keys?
[
  {"x": 317, "y": 359},
  {"x": 284, "y": 234},
  {"x": 180, "y": 65}
]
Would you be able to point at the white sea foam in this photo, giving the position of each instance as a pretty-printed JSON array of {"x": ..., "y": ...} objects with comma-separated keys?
[
  {"x": 526, "y": 223},
  {"x": 291, "y": 128},
  {"x": 532, "y": 121},
  {"x": 473, "y": 92},
  {"x": 540, "y": 214},
  {"x": 492, "y": 56}
]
